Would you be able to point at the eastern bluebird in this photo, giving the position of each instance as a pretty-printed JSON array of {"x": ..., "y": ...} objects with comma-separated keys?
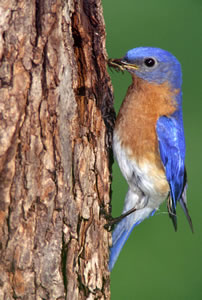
[{"x": 148, "y": 140}]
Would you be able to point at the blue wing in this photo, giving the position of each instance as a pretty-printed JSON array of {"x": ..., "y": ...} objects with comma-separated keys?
[
  {"x": 172, "y": 151},
  {"x": 171, "y": 140}
]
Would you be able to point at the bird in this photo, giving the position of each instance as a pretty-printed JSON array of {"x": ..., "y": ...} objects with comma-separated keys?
[{"x": 148, "y": 141}]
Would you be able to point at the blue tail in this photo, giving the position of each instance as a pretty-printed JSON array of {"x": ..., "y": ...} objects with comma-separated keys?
[
  {"x": 123, "y": 230},
  {"x": 119, "y": 237}
]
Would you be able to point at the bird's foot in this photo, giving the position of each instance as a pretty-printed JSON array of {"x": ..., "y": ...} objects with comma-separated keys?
[{"x": 113, "y": 221}]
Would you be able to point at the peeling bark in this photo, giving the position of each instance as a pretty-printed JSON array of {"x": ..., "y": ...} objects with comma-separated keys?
[{"x": 56, "y": 120}]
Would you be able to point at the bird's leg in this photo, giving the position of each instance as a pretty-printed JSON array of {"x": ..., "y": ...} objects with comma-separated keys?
[{"x": 113, "y": 221}]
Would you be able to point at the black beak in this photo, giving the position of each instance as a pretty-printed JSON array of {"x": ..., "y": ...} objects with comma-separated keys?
[{"x": 121, "y": 65}]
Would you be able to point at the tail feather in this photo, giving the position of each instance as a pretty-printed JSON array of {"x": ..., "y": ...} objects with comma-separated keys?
[
  {"x": 119, "y": 237},
  {"x": 124, "y": 228}
]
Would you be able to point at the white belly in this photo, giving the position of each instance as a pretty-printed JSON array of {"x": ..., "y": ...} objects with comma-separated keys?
[{"x": 144, "y": 175}]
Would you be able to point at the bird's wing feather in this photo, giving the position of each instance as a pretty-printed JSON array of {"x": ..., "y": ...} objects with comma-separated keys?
[{"x": 172, "y": 151}]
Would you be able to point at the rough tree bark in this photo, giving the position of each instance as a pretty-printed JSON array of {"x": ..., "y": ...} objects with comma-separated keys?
[{"x": 56, "y": 120}]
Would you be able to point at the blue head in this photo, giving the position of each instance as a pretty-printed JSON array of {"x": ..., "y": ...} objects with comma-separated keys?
[{"x": 151, "y": 64}]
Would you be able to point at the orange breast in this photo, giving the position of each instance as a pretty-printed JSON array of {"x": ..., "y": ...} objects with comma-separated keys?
[{"x": 136, "y": 122}]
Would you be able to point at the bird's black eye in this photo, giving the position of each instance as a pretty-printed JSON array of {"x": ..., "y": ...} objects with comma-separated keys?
[{"x": 149, "y": 62}]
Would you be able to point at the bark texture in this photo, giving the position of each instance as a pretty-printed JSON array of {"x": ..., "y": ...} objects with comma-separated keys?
[{"x": 56, "y": 120}]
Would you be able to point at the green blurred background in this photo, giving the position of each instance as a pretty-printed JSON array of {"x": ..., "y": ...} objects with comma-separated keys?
[{"x": 157, "y": 263}]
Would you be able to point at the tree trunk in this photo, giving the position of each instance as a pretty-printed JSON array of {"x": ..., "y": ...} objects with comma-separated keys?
[{"x": 56, "y": 120}]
